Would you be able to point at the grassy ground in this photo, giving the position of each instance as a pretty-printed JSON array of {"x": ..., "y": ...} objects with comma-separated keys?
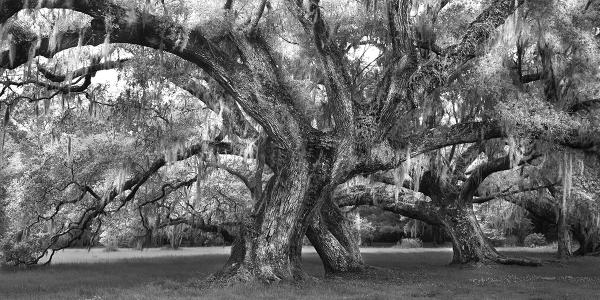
[{"x": 409, "y": 273}]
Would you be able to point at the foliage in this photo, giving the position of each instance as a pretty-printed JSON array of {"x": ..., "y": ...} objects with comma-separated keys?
[
  {"x": 409, "y": 243},
  {"x": 535, "y": 240},
  {"x": 367, "y": 231},
  {"x": 501, "y": 219},
  {"x": 15, "y": 252}
]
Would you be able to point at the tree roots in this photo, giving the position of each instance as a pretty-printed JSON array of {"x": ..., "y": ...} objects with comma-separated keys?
[{"x": 503, "y": 260}]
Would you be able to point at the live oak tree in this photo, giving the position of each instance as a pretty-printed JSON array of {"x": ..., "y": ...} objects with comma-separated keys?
[
  {"x": 367, "y": 122},
  {"x": 67, "y": 168},
  {"x": 518, "y": 76},
  {"x": 544, "y": 203}
]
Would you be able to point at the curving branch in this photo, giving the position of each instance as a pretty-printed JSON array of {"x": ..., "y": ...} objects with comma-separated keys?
[
  {"x": 391, "y": 198},
  {"x": 385, "y": 156},
  {"x": 250, "y": 84},
  {"x": 477, "y": 176},
  {"x": 510, "y": 191},
  {"x": 85, "y": 71},
  {"x": 168, "y": 188},
  {"x": 66, "y": 237}
]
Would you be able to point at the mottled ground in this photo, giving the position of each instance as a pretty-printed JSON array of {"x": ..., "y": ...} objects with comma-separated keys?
[{"x": 408, "y": 273}]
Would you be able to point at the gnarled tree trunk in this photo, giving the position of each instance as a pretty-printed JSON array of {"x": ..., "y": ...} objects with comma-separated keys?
[
  {"x": 468, "y": 242},
  {"x": 334, "y": 239},
  {"x": 455, "y": 212},
  {"x": 265, "y": 250}
]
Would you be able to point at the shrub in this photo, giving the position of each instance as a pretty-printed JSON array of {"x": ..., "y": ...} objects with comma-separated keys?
[
  {"x": 20, "y": 253},
  {"x": 410, "y": 243},
  {"x": 535, "y": 240},
  {"x": 111, "y": 248}
]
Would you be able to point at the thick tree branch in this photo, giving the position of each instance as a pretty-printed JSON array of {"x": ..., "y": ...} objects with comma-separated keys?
[
  {"x": 76, "y": 229},
  {"x": 168, "y": 188},
  {"x": 253, "y": 93},
  {"x": 239, "y": 175},
  {"x": 85, "y": 71},
  {"x": 399, "y": 97},
  {"x": 233, "y": 118},
  {"x": 509, "y": 191},
  {"x": 482, "y": 28},
  {"x": 333, "y": 65},
  {"x": 388, "y": 197},
  {"x": 256, "y": 16}
]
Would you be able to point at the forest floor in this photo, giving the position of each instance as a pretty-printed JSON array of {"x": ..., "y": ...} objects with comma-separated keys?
[{"x": 408, "y": 273}]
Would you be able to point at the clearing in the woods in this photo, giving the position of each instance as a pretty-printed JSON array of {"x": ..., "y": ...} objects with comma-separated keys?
[{"x": 398, "y": 273}]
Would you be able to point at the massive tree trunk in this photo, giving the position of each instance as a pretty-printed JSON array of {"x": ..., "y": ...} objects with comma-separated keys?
[
  {"x": 454, "y": 209},
  {"x": 468, "y": 242},
  {"x": 265, "y": 250},
  {"x": 332, "y": 235},
  {"x": 454, "y": 215}
]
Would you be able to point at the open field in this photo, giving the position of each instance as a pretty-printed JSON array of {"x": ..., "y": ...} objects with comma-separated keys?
[{"x": 412, "y": 273}]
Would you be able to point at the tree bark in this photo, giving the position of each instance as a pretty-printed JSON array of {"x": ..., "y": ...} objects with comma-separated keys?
[
  {"x": 265, "y": 250},
  {"x": 564, "y": 236},
  {"x": 334, "y": 239},
  {"x": 468, "y": 242},
  {"x": 587, "y": 237}
]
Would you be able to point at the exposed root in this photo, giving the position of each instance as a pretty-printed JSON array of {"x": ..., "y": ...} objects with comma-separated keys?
[
  {"x": 350, "y": 273},
  {"x": 497, "y": 259},
  {"x": 367, "y": 272},
  {"x": 237, "y": 273},
  {"x": 503, "y": 260},
  {"x": 230, "y": 275}
]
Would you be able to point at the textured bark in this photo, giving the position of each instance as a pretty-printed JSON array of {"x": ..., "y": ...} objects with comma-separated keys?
[
  {"x": 564, "y": 236},
  {"x": 268, "y": 236},
  {"x": 468, "y": 242},
  {"x": 334, "y": 239},
  {"x": 439, "y": 203},
  {"x": 456, "y": 212},
  {"x": 587, "y": 244},
  {"x": 551, "y": 89},
  {"x": 390, "y": 198}
]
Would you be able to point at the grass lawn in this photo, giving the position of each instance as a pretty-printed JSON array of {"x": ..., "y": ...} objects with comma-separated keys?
[{"x": 409, "y": 273}]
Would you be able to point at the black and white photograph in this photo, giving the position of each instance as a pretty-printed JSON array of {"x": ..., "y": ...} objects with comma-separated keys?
[{"x": 299, "y": 149}]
